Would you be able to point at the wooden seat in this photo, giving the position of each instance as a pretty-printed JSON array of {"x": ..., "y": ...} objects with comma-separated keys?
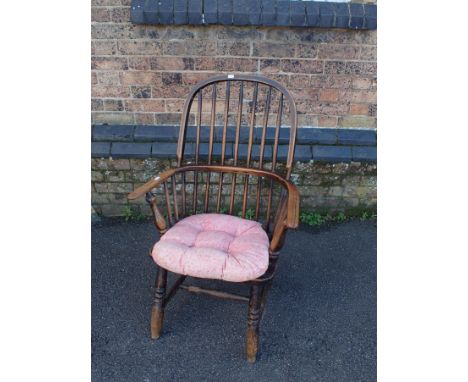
[{"x": 245, "y": 174}]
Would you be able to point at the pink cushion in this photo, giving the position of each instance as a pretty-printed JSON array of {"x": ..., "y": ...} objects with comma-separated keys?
[{"x": 214, "y": 246}]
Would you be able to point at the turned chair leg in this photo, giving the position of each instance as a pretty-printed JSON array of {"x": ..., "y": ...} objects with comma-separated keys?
[
  {"x": 157, "y": 311},
  {"x": 264, "y": 297},
  {"x": 253, "y": 321}
]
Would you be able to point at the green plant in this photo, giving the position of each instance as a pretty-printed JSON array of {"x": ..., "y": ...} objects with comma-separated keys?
[
  {"x": 318, "y": 219},
  {"x": 249, "y": 214},
  {"x": 312, "y": 218},
  {"x": 127, "y": 213},
  {"x": 341, "y": 217},
  {"x": 367, "y": 215}
]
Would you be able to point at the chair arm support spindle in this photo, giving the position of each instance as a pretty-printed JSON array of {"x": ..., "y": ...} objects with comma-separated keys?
[{"x": 159, "y": 220}]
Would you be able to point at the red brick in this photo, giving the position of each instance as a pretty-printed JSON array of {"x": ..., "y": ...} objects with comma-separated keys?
[
  {"x": 237, "y": 64},
  {"x": 167, "y": 118},
  {"x": 307, "y": 120},
  {"x": 302, "y": 66},
  {"x": 113, "y": 105},
  {"x": 180, "y": 33},
  {"x": 358, "y": 96},
  {"x": 299, "y": 81},
  {"x": 369, "y": 52},
  {"x": 331, "y": 73},
  {"x": 110, "y": 91},
  {"x": 361, "y": 83},
  {"x": 303, "y": 106},
  {"x": 331, "y": 82},
  {"x": 189, "y": 48},
  {"x": 172, "y": 63},
  {"x": 344, "y": 52},
  {"x": 100, "y": 14},
  {"x": 114, "y": 31},
  {"x": 351, "y": 67},
  {"x": 359, "y": 109},
  {"x": 140, "y": 91},
  {"x": 112, "y": 117},
  {"x": 175, "y": 105},
  {"x": 140, "y": 78},
  {"x": 138, "y": 63},
  {"x": 361, "y": 68},
  {"x": 307, "y": 93},
  {"x": 141, "y": 47},
  {"x": 337, "y": 36},
  {"x": 144, "y": 118},
  {"x": 283, "y": 79},
  {"x": 329, "y": 95},
  {"x": 108, "y": 78},
  {"x": 142, "y": 104},
  {"x": 335, "y": 67},
  {"x": 272, "y": 49},
  {"x": 330, "y": 108},
  {"x": 306, "y": 50},
  {"x": 270, "y": 66},
  {"x": 120, "y": 14},
  {"x": 233, "y": 48},
  {"x": 97, "y": 104},
  {"x": 109, "y": 63},
  {"x": 193, "y": 78},
  {"x": 106, "y": 2},
  {"x": 239, "y": 33},
  {"x": 205, "y": 63},
  {"x": 357, "y": 121},
  {"x": 327, "y": 121},
  {"x": 170, "y": 91},
  {"x": 104, "y": 47},
  {"x": 171, "y": 79}
]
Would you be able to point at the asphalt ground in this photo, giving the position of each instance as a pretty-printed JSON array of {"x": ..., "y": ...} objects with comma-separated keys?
[{"x": 319, "y": 323}]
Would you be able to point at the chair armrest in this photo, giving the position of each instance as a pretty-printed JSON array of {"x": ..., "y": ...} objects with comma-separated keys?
[
  {"x": 292, "y": 219},
  {"x": 153, "y": 183},
  {"x": 292, "y": 215}
]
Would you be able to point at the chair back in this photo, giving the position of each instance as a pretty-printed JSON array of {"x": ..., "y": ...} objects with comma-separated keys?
[
  {"x": 234, "y": 121},
  {"x": 240, "y": 120}
]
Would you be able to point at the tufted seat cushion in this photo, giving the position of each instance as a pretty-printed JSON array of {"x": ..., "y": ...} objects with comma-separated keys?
[{"x": 214, "y": 246}]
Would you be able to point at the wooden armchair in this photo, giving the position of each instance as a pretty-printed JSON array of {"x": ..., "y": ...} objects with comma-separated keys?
[{"x": 226, "y": 217}]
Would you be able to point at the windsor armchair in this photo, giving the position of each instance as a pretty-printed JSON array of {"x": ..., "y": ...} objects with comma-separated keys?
[{"x": 241, "y": 187}]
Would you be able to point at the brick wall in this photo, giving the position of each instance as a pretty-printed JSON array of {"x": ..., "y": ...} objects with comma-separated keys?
[
  {"x": 142, "y": 73},
  {"x": 324, "y": 187}
]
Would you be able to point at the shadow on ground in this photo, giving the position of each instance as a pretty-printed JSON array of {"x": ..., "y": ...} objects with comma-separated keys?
[{"x": 319, "y": 324}]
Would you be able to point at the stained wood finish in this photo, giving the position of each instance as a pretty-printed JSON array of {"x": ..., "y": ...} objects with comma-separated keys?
[
  {"x": 214, "y": 293},
  {"x": 157, "y": 311},
  {"x": 253, "y": 321},
  {"x": 274, "y": 197},
  {"x": 290, "y": 201},
  {"x": 196, "y": 92}
]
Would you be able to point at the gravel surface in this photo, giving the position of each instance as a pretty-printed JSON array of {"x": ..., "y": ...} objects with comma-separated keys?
[{"x": 319, "y": 323}]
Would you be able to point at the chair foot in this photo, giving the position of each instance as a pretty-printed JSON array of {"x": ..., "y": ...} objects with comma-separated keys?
[
  {"x": 251, "y": 344},
  {"x": 253, "y": 322},
  {"x": 157, "y": 319},
  {"x": 157, "y": 311}
]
